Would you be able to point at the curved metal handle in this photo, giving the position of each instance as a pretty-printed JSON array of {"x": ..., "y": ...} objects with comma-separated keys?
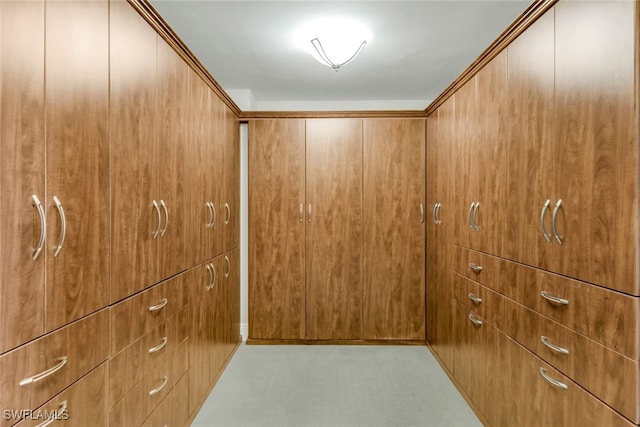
[
  {"x": 469, "y": 216},
  {"x": 157, "y": 208},
  {"x": 546, "y": 295},
  {"x": 214, "y": 278},
  {"x": 160, "y": 387},
  {"x": 228, "y": 218},
  {"x": 421, "y": 213},
  {"x": 301, "y": 213},
  {"x": 209, "y": 223},
  {"x": 52, "y": 417},
  {"x": 63, "y": 225},
  {"x": 475, "y": 320},
  {"x": 166, "y": 217},
  {"x": 44, "y": 374},
  {"x": 159, "y": 346},
  {"x": 556, "y": 383},
  {"x": 228, "y": 272},
  {"x": 210, "y": 284},
  {"x": 439, "y": 221},
  {"x": 213, "y": 208},
  {"x": 474, "y": 298},
  {"x": 554, "y": 226},
  {"x": 476, "y": 226},
  {"x": 433, "y": 213},
  {"x": 552, "y": 346},
  {"x": 159, "y": 306},
  {"x": 475, "y": 267},
  {"x": 43, "y": 227},
  {"x": 545, "y": 207},
  {"x": 309, "y": 211}
]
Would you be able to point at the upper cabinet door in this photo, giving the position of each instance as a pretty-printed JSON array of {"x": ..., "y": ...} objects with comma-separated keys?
[
  {"x": 596, "y": 145},
  {"x": 334, "y": 229},
  {"x": 393, "y": 219},
  {"x": 215, "y": 166},
  {"x": 77, "y": 117},
  {"x": 22, "y": 172},
  {"x": 277, "y": 229},
  {"x": 134, "y": 218},
  {"x": 231, "y": 181}
]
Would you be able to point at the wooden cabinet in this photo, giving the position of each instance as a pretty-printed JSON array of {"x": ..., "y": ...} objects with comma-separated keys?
[
  {"x": 230, "y": 194},
  {"x": 393, "y": 217},
  {"x": 333, "y": 253}
]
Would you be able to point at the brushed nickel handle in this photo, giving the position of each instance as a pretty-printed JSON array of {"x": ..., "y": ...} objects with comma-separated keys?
[
  {"x": 215, "y": 277},
  {"x": 159, "y": 346},
  {"x": 159, "y": 306},
  {"x": 556, "y": 383},
  {"x": 476, "y": 226},
  {"x": 44, "y": 374},
  {"x": 421, "y": 213},
  {"x": 554, "y": 226},
  {"x": 228, "y": 218},
  {"x": 209, "y": 223},
  {"x": 552, "y": 346},
  {"x": 228, "y": 272},
  {"x": 475, "y": 320},
  {"x": 213, "y": 208},
  {"x": 475, "y": 267},
  {"x": 166, "y": 217},
  {"x": 469, "y": 216},
  {"x": 52, "y": 417},
  {"x": 545, "y": 207},
  {"x": 63, "y": 225},
  {"x": 301, "y": 213},
  {"x": 546, "y": 295},
  {"x": 210, "y": 284},
  {"x": 433, "y": 213},
  {"x": 157, "y": 209},
  {"x": 157, "y": 390},
  {"x": 439, "y": 221},
  {"x": 309, "y": 211},
  {"x": 43, "y": 227},
  {"x": 474, "y": 298}
]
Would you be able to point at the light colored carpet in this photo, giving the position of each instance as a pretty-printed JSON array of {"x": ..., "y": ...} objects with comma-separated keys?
[{"x": 334, "y": 386}]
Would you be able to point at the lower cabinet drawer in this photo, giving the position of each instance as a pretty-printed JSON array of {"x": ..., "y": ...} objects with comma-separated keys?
[
  {"x": 30, "y": 375},
  {"x": 140, "y": 402},
  {"x": 173, "y": 410},
  {"x": 607, "y": 374},
  {"x": 487, "y": 303},
  {"x": 81, "y": 405}
]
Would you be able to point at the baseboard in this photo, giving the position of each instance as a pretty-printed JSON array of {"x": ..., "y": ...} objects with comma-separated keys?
[
  {"x": 244, "y": 331},
  {"x": 254, "y": 341}
]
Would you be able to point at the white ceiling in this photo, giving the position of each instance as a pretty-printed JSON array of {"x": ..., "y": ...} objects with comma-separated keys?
[{"x": 417, "y": 49}]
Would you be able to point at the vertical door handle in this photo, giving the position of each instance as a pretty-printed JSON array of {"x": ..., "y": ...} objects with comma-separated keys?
[
  {"x": 554, "y": 227},
  {"x": 214, "y": 275},
  {"x": 434, "y": 214},
  {"x": 210, "y": 273},
  {"x": 228, "y": 209},
  {"x": 213, "y": 208},
  {"x": 421, "y": 213},
  {"x": 469, "y": 215},
  {"x": 228, "y": 272},
  {"x": 43, "y": 227},
  {"x": 438, "y": 220},
  {"x": 157, "y": 209},
  {"x": 209, "y": 223},
  {"x": 63, "y": 225},
  {"x": 545, "y": 207},
  {"x": 301, "y": 213},
  {"x": 309, "y": 211},
  {"x": 476, "y": 226},
  {"x": 166, "y": 217}
]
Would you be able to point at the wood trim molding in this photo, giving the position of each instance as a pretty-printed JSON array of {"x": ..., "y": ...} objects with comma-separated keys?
[
  {"x": 524, "y": 21},
  {"x": 257, "y": 115},
  {"x": 253, "y": 341},
  {"x": 149, "y": 13}
]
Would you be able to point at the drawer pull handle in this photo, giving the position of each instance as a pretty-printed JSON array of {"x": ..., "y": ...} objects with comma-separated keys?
[
  {"x": 545, "y": 207},
  {"x": 159, "y": 346},
  {"x": 228, "y": 218},
  {"x": 475, "y": 299},
  {"x": 228, "y": 272},
  {"x": 160, "y": 387},
  {"x": 552, "y": 346},
  {"x": 43, "y": 226},
  {"x": 44, "y": 374},
  {"x": 159, "y": 306},
  {"x": 475, "y": 267},
  {"x": 55, "y": 415},
  {"x": 556, "y": 383},
  {"x": 554, "y": 227},
  {"x": 549, "y": 297},
  {"x": 166, "y": 217},
  {"x": 475, "y": 320},
  {"x": 63, "y": 225}
]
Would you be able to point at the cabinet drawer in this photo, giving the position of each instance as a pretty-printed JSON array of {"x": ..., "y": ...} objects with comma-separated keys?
[
  {"x": 139, "y": 314},
  {"x": 488, "y": 304},
  {"x": 49, "y": 364},
  {"x": 83, "y": 404},
  {"x": 128, "y": 367},
  {"x": 173, "y": 410},
  {"x": 607, "y": 374},
  {"x": 145, "y": 397},
  {"x": 485, "y": 269}
]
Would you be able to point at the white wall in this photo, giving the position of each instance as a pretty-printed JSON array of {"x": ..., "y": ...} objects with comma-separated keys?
[{"x": 244, "y": 230}]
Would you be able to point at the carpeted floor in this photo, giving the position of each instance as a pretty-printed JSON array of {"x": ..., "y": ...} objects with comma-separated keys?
[{"x": 334, "y": 386}]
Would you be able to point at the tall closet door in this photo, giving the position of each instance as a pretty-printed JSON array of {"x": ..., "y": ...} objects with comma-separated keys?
[
  {"x": 215, "y": 165},
  {"x": 22, "y": 172},
  {"x": 133, "y": 150},
  {"x": 77, "y": 106},
  {"x": 276, "y": 229},
  {"x": 393, "y": 221},
  {"x": 230, "y": 215},
  {"x": 334, "y": 229}
]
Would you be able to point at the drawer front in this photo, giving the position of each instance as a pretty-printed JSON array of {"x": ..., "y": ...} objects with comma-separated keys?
[
  {"x": 173, "y": 410},
  {"x": 147, "y": 395},
  {"x": 139, "y": 314},
  {"x": 484, "y": 269},
  {"x": 51, "y": 363},
  {"x": 127, "y": 368},
  {"x": 607, "y": 374},
  {"x": 83, "y": 404},
  {"x": 487, "y": 303}
]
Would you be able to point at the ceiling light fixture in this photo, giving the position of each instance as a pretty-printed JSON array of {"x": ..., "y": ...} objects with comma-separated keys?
[{"x": 325, "y": 58}]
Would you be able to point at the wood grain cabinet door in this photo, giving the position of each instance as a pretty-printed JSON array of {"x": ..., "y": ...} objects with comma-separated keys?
[
  {"x": 334, "y": 229},
  {"x": 393, "y": 225},
  {"x": 22, "y": 173},
  {"x": 230, "y": 209},
  {"x": 277, "y": 219}
]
